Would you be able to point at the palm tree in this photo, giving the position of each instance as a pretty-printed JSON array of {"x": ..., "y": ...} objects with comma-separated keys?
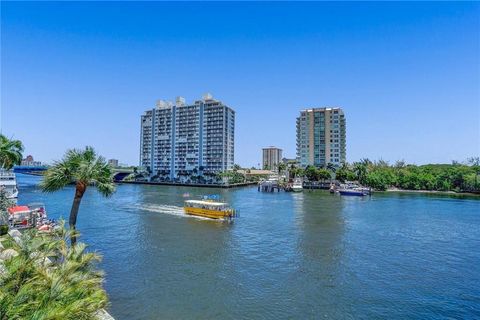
[
  {"x": 82, "y": 168},
  {"x": 10, "y": 152},
  {"x": 361, "y": 170},
  {"x": 331, "y": 167},
  {"x": 282, "y": 166}
]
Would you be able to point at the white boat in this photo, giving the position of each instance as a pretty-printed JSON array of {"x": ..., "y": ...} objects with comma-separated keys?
[
  {"x": 297, "y": 185},
  {"x": 353, "y": 189},
  {"x": 8, "y": 183},
  {"x": 269, "y": 185}
]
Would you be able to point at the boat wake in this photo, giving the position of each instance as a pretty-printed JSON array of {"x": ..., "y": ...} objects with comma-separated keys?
[{"x": 170, "y": 210}]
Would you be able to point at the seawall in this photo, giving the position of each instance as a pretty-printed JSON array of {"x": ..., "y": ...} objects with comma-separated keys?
[{"x": 200, "y": 185}]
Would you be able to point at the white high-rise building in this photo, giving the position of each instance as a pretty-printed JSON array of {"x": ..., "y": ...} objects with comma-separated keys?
[{"x": 187, "y": 142}]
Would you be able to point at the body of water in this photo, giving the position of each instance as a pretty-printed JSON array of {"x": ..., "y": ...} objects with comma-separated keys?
[{"x": 309, "y": 255}]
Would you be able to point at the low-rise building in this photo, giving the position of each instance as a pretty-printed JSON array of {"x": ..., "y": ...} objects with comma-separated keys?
[{"x": 30, "y": 162}]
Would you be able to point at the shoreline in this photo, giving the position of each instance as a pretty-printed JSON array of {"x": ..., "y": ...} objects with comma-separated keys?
[
  {"x": 178, "y": 184},
  {"x": 431, "y": 191}
]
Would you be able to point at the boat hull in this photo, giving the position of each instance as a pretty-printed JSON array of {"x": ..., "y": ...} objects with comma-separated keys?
[
  {"x": 13, "y": 195},
  {"x": 352, "y": 193},
  {"x": 207, "y": 213}
]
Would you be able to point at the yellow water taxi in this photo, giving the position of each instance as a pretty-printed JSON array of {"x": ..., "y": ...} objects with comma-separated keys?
[{"x": 209, "y": 209}]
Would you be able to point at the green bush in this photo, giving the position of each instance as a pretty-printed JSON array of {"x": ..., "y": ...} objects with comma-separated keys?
[
  {"x": 49, "y": 279},
  {"x": 444, "y": 177},
  {"x": 3, "y": 229}
]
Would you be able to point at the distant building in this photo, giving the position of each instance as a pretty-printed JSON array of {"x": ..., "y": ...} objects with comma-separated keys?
[
  {"x": 29, "y": 161},
  {"x": 289, "y": 161},
  {"x": 113, "y": 162},
  {"x": 271, "y": 157},
  {"x": 321, "y": 137},
  {"x": 186, "y": 142}
]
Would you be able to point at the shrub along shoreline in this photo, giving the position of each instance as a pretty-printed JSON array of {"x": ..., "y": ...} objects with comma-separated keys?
[{"x": 380, "y": 175}]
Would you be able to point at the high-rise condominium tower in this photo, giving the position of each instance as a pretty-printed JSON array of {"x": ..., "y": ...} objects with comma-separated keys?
[
  {"x": 321, "y": 137},
  {"x": 271, "y": 157},
  {"x": 179, "y": 141}
]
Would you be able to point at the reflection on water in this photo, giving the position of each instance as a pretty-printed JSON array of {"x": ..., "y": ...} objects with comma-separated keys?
[{"x": 288, "y": 255}]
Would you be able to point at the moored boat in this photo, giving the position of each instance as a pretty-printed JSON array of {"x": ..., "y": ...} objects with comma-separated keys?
[
  {"x": 352, "y": 192},
  {"x": 209, "y": 209},
  {"x": 269, "y": 185},
  {"x": 8, "y": 183},
  {"x": 297, "y": 185},
  {"x": 31, "y": 216},
  {"x": 353, "y": 189}
]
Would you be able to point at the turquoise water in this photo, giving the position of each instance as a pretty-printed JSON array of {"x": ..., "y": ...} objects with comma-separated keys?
[{"x": 309, "y": 255}]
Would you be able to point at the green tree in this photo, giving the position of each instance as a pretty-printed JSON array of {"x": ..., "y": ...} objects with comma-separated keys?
[
  {"x": 331, "y": 167},
  {"x": 48, "y": 279},
  {"x": 323, "y": 174},
  {"x": 297, "y": 172},
  {"x": 361, "y": 170},
  {"x": 82, "y": 168},
  {"x": 10, "y": 152},
  {"x": 311, "y": 173},
  {"x": 381, "y": 175},
  {"x": 376, "y": 181},
  {"x": 282, "y": 167},
  {"x": 475, "y": 164},
  {"x": 344, "y": 173},
  {"x": 232, "y": 176}
]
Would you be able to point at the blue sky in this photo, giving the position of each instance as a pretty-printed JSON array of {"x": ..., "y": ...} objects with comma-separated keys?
[{"x": 407, "y": 74}]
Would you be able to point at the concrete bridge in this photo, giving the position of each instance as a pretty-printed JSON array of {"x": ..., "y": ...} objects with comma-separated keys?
[{"x": 33, "y": 170}]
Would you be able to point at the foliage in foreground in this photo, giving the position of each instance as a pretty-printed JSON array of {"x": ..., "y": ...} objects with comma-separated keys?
[{"x": 68, "y": 287}]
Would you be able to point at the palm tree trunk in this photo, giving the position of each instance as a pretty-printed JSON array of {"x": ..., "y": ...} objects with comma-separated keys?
[{"x": 80, "y": 188}]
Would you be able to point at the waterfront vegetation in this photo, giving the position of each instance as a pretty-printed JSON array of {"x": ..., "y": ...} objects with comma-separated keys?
[
  {"x": 380, "y": 175},
  {"x": 42, "y": 277},
  {"x": 232, "y": 176},
  {"x": 82, "y": 168}
]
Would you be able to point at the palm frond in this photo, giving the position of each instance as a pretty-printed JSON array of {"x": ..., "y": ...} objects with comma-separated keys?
[
  {"x": 10, "y": 152},
  {"x": 57, "y": 177}
]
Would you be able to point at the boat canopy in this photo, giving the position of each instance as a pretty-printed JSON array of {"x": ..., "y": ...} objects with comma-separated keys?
[
  {"x": 18, "y": 209},
  {"x": 36, "y": 206},
  {"x": 205, "y": 203}
]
